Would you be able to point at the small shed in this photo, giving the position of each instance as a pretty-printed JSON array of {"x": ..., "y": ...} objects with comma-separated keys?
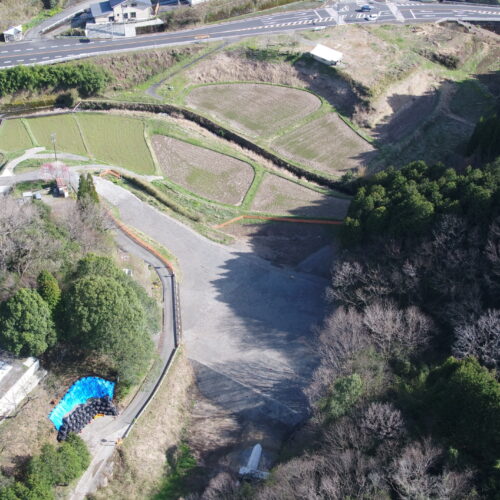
[
  {"x": 13, "y": 34},
  {"x": 326, "y": 55},
  {"x": 61, "y": 188}
]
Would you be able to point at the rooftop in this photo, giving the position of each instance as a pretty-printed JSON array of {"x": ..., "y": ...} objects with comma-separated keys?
[{"x": 326, "y": 53}]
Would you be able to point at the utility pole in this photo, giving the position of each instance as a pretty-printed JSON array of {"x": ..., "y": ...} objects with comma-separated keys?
[{"x": 53, "y": 140}]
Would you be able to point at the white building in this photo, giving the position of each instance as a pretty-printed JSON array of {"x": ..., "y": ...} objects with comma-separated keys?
[
  {"x": 13, "y": 34},
  {"x": 326, "y": 55},
  {"x": 18, "y": 377},
  {"x": 122, "y": 11}
]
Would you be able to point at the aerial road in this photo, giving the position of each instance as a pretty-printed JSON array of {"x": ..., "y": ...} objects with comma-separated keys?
[{"x": 55, "y": 50}]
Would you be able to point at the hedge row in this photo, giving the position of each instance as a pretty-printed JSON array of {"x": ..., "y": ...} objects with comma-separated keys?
[
  {"x": 222, "y": 132},
  {"x": 87, "y": 78}
]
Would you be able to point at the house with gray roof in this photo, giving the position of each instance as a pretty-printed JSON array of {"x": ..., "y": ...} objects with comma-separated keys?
[{"x": 121, "y": 11}]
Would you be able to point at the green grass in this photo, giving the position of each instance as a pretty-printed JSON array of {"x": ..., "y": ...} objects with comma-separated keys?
[
  {"x": 45, "y": 14},
  {"x": 14, "y": 136},
  {"x": 117, "y": 140},
  {"x": 68, "y": 137},
  {"x": 176, "y": 484}
]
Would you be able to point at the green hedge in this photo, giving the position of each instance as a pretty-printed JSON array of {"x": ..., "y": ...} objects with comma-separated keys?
[{"x": 87, "y": 78}]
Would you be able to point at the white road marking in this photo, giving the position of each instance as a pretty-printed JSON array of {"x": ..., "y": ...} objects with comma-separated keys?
[
  {"x": 411, "y": 12},
  {"x": 7, "y": 62},
  {"x": 17, "y": 50},
  {"x": 53, "y": 46},
  {"x": 29, "y": 49},
  {"x": 4, "y": 51},
  {"x": 20, "y": 60}
]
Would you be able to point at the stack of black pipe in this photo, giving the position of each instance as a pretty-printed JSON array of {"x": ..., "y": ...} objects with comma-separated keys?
[{"x": 83, "y": 414}]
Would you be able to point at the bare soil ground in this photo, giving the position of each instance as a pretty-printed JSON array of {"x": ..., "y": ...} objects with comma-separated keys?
[
  {"x": 282, "y": 197},
  {"x": 282, "y": 243},
  {"x": 207, "y": 173},
  {"x": 403, "y": 107},
  {"x": 363, "y": 51},
  {"x": 234, "y": 66},
  {"x": 140, "y": 463},
  {"x": 326, "y": 144},
  {"x": 256, "y": 110},
  {"x": 23, "y": 435}
]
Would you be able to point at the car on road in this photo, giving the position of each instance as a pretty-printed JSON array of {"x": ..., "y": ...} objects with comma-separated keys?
[
  {"x": 366, "y": 8},
  {"x": 371, "y": 17}
]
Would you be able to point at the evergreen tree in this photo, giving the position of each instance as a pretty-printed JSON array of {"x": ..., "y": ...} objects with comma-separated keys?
[
  {"x": 83, "y": 188},
  {"x": 26, "y": 326},
  {"x": 48, "y": 288}
]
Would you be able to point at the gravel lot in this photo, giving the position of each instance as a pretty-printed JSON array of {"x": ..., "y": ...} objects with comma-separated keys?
[{"x": 248, "y": 326}]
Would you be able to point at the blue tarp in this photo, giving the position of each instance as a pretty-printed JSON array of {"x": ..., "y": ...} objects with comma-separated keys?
[{"x": 79, "y": 393}]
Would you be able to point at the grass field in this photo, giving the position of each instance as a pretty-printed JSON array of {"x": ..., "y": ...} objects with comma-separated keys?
[
  {"x": 254, "y": 109},
  {"x": 68, "y": 136},
  {"x": 207, "y": 173},
  {"x": 326, "y": 144},
  {"x": 117, "y": 140},
  {"x": 471, "y": 101},
  {"x": 13, "y": 136},
  {"x": 282, "y": 197}
]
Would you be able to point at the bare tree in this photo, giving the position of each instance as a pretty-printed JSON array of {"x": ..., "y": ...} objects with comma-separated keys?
[
  {"x": 397, "y": 331},
  {"x": 480, "y": 339},
  {"x": 410, "y": 472},
  {"x": 383, "y": 421},
  {"x": 415, "y": 474},
  {"x": 341, "y": 337}
]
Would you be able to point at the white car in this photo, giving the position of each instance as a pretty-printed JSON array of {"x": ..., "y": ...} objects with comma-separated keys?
[{"x": 371, "y": 17}]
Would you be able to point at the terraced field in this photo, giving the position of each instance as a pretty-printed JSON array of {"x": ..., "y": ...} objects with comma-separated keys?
[
  {"x": 117, "y": 140},
  {"x": 282, "y": 197},
  {"x": 326, "y": 144},
  {"x": 207, "y": 173},
  {"x": 256, "y": 110},
  {"x": 66, "y": 132},
  {"x": 13, "y": 136}
]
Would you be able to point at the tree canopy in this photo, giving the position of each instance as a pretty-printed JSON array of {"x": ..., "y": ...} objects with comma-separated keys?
[
  {"x": 466, "y": 399},
  {"x": 26, "y": 326},
  {"x": 404, "y": 202},
  {"x": 107, "y": 313},
  {"x": 86, "y": 189}
]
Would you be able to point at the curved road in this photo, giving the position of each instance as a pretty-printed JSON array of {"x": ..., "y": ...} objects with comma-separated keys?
[{"x": 49, "y": 51}]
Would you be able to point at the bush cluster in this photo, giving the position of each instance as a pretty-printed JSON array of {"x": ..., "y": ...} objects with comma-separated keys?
[
  {"x": 87, "y": 78},
  {"x": 55, "y": 466}
]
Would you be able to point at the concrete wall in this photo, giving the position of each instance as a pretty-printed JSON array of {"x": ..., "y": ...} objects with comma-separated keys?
[
  {"x": 20, "y": 389},
  {"x": 109, "y": 30}
]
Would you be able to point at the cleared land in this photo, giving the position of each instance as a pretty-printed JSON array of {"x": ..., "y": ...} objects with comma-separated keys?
[
  {"x": 68, "y": 138},
  {"x": 117, "y": 140},
  {"x": 13, "y": 136},
  {"x": 256, "y": 110},
  {"x": 207, "y": 173},
  {"x": 282, "y": 197},
  {"x": 326, "y": 144}
]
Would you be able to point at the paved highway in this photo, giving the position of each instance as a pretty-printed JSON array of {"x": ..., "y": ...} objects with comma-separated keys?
[{"x": 50, "y": 51}]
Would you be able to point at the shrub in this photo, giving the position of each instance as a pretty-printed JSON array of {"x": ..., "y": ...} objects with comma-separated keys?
[
  {"x": 68, "y": 99},
  {"x": 48, "y": 288},
  {"x": 346, "y": 391}
]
